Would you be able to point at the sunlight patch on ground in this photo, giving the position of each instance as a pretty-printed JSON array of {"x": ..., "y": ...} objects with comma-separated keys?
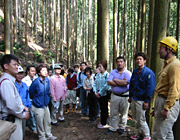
[
  {"x": 1, "y": 13},
  {"x": 35, "y": 46}
]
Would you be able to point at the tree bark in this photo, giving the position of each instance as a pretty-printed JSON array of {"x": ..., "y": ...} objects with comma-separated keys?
[
  {"x": 67, "y": 33},
  {"x": 7, "y": 26},
  {"x": 103, "y": 30},
  {"x": 114, "y": 33},
  {"x": 159, "y": 32},
  {"x": 150, "y": 31}
]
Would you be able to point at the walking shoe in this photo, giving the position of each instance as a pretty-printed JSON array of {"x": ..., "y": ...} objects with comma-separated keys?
[
  {"x": 135, "y": 137},
  {"x": 52, "y": 138},
  {"x": 55, "y": 124},
  {"x": 121, "y": 131},
  {"x": 102, "y": 126},
  {"x": 109, "y": 132},
  {"x": 67, "y": 111},
  {"x": 73, "y": 109},
  {"x": 147, "y": 138},
  {"x": 62, "y": 120}
]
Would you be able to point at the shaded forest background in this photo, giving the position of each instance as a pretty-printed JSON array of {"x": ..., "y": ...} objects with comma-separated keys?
[{"x": 72, "y": 31}]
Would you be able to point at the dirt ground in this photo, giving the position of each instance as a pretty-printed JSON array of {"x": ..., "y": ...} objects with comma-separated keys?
[{"x": 79, "y": 128}]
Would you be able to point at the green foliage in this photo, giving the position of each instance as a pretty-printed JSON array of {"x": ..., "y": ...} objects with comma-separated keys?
[
  {"x": 2, "y": 45},
  {"x": 1, "y": 20},
  {"x": 18, "y": 49},
  {"x": 38, "y": 56}
]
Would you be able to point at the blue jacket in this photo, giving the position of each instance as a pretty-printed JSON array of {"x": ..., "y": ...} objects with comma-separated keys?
[
  {"x": 24, "y": 93},
  {"x": 40, "y": 92},
  {"x": 142, "y": 85}
]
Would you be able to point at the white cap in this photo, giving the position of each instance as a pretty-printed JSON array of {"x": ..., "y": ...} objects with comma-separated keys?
[{"x": 20, "y": 69}]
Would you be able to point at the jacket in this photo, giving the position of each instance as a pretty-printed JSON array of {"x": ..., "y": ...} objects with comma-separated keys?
[
  {"x": 142, "y": 85},
  {"x": 40, "y": 92}
]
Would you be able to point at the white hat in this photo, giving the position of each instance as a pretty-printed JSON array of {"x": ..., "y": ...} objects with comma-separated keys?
[{"x": 20, "y": 69}]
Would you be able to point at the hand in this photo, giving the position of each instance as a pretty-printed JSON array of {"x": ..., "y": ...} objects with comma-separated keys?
[
  {"x": 75, "y": 89},
  {"x": 145, "y": 106},
  {"x": 26, "y": 115},
  {"x": 26, "y": 109},
  {"x": 130, "y": 100},
  {"x": 164, "y": 113},
  {"x": 152, "y": 113},
  {"x": 97, "y": 95}
]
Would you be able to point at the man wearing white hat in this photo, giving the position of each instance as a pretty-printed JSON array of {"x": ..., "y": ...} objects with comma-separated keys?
[{"x": 23, "y": 92}]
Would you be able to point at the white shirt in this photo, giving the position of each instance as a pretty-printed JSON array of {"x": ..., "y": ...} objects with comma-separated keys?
[
  {"x": 10, "y": 102},
  {"x": 28, "y": 80}
]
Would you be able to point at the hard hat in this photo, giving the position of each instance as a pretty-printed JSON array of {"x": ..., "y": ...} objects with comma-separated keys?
[
  {"x": 171, "y": 42},
  {"x": 20, "y": 69}
]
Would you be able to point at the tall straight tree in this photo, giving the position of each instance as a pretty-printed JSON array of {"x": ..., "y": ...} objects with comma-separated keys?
[
  {"x": 67, "y": 33},
  {"x": 90, "y": 31},
  {"x": 7, "y": 26},
  {"x": 114, "y": 33},
  {"x": 103, "y": 30},
  {"x": 15, "y": 20},
  {"x": 159, "y": 32},
  {"x": 150, "y": 31},
  {"x": 26, "y": 25},
  {"x": 143, "y": 26}
]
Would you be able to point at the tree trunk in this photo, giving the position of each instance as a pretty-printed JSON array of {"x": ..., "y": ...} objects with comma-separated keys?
[
  {"x": 90, "y": 32},
  {"x": 43, "y": 21},
  {"x": 114, "y": 33},
  {"x": 103, "y": 30},
  {"x": 75, "y": 31},
  {"x": 159, "y": 32},
  {"x": 125, "y": 23},
  {"x": 143, "y": 26},
  {"x": 11, "y": 26},
  {"x": 15, "y": 20},
  {"x": 26, "y": 25},
  {"x": 150, "y": 31},
  {"x": 19, "y": 6},
  {"x": 7, "y": 26},
  {"x": 61, "y": 30},
  {"x": 67, "y": 33},
  {"x": 50, "y": 23},
  {"x": 138, "y": 40}
]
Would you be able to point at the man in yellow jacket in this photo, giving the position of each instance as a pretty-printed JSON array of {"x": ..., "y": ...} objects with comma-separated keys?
[{"x": 166, "y": 109}]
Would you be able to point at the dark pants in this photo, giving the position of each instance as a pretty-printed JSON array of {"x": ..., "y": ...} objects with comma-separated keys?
[
  {"x": 103, "y": 101},
  {"x": 84, "y": 104},
  {"x": 93, "y": 106}
]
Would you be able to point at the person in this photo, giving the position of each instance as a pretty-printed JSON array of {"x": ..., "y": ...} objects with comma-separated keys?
[
  {"x": 50, "y": 73},
  {"x": 30, "y": 76},
  {"x": 40, "y": 95},
  {"x": 166, "y": 108},
  {"x": 142, "y": 85},
  {"x": 11, "y": 105},
  {"x": 58, "y": 94},
  {"x": 71, "y": 84},
  {"x": 92, "y": 99},
  {"x": 63, "y": 71},
  {"x": 100, "y": 88},
  {"x": 77, "y": 71},
  {"x": 119, "y": 80},
  {"x": 23, "y": 92},
  {"x": 83, "y": 99}
]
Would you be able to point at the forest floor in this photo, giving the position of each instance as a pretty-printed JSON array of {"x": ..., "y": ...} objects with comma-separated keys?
[{"x": 79, "y": 128}]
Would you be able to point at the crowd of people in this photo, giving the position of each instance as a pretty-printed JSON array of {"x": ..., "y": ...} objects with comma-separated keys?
[{"x": 35, "y": 100}]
